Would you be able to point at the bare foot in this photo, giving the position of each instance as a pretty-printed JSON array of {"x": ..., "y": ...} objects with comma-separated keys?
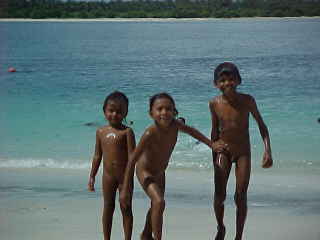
[
  {"x": 146, "y": 237},
  {"x": 221, "y": 232}
]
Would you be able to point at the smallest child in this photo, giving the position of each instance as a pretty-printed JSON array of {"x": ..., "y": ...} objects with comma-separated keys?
[{"x": 114, "y": 144}]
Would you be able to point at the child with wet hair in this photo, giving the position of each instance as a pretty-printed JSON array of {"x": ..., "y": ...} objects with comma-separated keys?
[
  {"x": 151, "y": 158},
  {"x": 115, "y": 143},
  {"x": 230, "y": 133}
]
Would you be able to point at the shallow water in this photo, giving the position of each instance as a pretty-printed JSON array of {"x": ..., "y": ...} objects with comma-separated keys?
[{"x": 65, "y": 70}]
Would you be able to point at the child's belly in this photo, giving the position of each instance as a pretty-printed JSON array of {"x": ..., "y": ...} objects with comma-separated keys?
[
  {"x": 238, "y": 144},
  {"x": 115, "y": 168}
]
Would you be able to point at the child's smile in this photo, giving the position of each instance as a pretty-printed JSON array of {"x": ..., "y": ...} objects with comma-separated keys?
[
  {"x": 115, "y": 113},
  {"x": 227, "y": 83},
  {"x": 162, "y": 112}
]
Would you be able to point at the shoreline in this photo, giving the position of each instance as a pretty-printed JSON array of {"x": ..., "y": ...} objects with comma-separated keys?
[
  {"x": 54, "y": 204},
  {"x": 145, "y": 19}
]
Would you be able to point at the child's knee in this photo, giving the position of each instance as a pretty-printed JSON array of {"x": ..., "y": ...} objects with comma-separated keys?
[
  {"x": 126, "y": 209},
  {"x": 109, "y": 205},
  {"x": 158, "y": 204},
  {"x": 220, "y": 197},
  {"x": 240, "y": 197}
]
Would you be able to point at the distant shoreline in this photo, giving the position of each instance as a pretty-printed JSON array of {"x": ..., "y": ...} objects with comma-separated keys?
[{"x": 141, "y": 19}]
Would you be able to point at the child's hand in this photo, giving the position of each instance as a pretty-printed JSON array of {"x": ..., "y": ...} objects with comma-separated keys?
[
  {"x": 219, "y": 146},
  {"x": 91, "y": 184},
  {"x": 267, "y": 160}
]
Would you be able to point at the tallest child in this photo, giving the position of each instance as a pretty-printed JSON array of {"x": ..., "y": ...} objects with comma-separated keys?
[{"x": 230, "y": 133}]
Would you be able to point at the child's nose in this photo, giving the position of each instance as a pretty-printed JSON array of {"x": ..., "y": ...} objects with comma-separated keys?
[
  {"x": 164, "y": 112},
  {"x": 228, "y": 82}
]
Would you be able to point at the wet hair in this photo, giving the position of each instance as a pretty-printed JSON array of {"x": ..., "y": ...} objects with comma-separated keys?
[
  {"x": 226, "y": 67},
  {"x": 116, "y": 95},
  {"x": 182, "y": 120},
  {"x": 162, "y": 95}
]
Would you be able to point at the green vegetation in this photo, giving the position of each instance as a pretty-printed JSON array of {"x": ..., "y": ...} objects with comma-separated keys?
[{"x": 39, "y": 9}]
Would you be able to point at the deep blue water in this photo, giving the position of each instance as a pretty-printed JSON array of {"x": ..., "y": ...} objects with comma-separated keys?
[{"x": 65, "y": 70}]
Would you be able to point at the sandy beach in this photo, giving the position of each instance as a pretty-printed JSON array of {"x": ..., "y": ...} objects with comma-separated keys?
[{"x": 54, "y": 204}]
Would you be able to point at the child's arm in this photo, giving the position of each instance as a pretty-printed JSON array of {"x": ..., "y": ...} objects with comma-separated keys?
[
  {"x": 193, "y": 133},
  {"x": 267, "y": 156},
  {"x": 219, "y": 145},
  {"x": 96, "y": 160},
  {"x": 131, "y": 142},
  {"x": 214, "y": 123}
]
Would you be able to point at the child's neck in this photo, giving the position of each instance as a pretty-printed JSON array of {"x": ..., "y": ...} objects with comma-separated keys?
[
  {"x": 232, "y": 98},
  {"x": 163, "y": 128},
  {"x": 117, "y": 126}
]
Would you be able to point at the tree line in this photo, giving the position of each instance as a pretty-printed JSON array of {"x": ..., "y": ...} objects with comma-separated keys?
[{"x": 40, "y": 9}]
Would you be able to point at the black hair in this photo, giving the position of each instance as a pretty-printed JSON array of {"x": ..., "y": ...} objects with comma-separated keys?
[
  {"x": 116, "y": 95},
  {"x": 227, "y": 67},
  {"x": 162, "y": 95},
  {"x": 182, "y": 120}
]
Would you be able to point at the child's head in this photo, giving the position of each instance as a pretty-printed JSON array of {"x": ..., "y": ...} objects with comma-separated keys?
[
  {"x": 115, "y": 107},
  {"x": 226, "y": 68},
  {"x": 162, "y": 108}
]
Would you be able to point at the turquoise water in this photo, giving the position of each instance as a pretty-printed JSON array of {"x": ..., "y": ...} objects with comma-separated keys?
[{"x": 65, "y": 70}]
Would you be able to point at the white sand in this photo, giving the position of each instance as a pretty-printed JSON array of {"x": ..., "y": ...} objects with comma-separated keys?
[{"x": 62, "y": 209}]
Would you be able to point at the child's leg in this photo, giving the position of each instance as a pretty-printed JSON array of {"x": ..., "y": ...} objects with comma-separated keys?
[
  {"x": 243, "y": 169},
  {"x": 157, "y": 207},
  {"x": 221, "y": 175},
  {"x": 147, "y": 231},
  {"x": 127, "y": 217},
  {"x": 109, "y": 187}
]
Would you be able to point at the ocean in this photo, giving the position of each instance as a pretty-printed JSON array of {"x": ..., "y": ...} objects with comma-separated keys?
[
  {"x": 66, "y": 69},
  {"x": 52, "y": 105}
]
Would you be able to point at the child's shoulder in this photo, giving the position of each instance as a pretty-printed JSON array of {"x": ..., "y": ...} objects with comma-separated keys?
[
  {"x": 151, "y": 129},
  {"x": 246, "y": 97},
  {"x": 102, "y": 129},
  {"x": 128, "y": 129},
  {"x": 215, "y": 100}
]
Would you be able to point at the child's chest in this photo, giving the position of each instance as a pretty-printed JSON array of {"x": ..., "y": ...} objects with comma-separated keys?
[
  {"x": 164, "y": 142},
  {"x": 113, "y": 138},
  {"x": 228, "y": 112}
]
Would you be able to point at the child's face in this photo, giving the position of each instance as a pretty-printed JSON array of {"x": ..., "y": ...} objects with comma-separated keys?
[
  {"x": 115, "y": 112},
  {"x": 163, "y": 112},
  {"x": 227, "y": 83}
]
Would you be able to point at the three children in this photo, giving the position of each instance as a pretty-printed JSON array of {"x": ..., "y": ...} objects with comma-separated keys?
[{"x": 230, "y": 143}]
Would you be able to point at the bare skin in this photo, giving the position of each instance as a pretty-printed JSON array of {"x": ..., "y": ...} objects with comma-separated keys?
[
  {"x": 114, "y": 144},
  {"x": 152, "y": 157},
  {"x": 230, "y": 133}
]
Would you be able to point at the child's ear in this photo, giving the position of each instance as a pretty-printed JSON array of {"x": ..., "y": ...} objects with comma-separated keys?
[
  {"x": 175, "y": 112},
  {"x": 237, "y": 80}
]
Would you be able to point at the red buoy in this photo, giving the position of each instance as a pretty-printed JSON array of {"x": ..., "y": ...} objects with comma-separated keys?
[{"x": 11, "y": 69}]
